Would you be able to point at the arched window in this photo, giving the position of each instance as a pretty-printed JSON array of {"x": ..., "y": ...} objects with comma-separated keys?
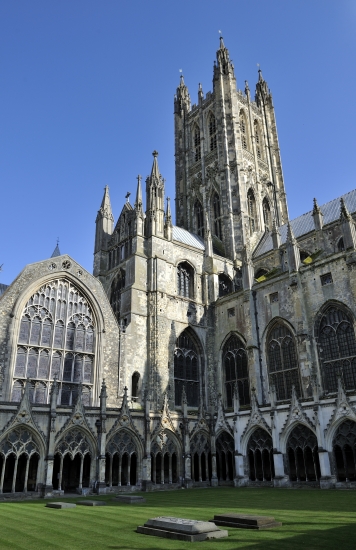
[
  {"x": 117, "y": 287},
  {"x": 260, "y": 456},
  {"x": 217, "y": 216},
  {"x": 258, "y": 139},
  {"x": 197, "y": 148},
  {"x": 267, "y": 214},
  {"x": 199, "y": 218},
  {"x": 344, "y": 447},
  {"x": 225, "y": 450},
  {"x": 135, "y": 382},
  {"x": 186, "y": 370},
  {"x": 337, "y": 348},
  {"x": 185, "y": 280},
  {"x": 243, "y": 129},
  {"x": 236, "y": 371},
  {"x": 56, "y": 340},
  {"x": 340, "y": 245},
  {"x": 225, "y": 285},
  {"x": 282, "y": 361},
  {"x": 251, "y": 209},
  {"x": 212, "y": 132},
  {"x": 303, "y": 456}
]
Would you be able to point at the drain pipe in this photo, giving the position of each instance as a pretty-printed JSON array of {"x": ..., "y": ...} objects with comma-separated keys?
[{"x": 258, "y": 344}]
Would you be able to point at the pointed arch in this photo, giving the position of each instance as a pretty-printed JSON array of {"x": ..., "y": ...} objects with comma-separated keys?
[
  {"x": 334, "y": 331},
  {"x": 282, "y": 359},
  {"x": 76, "y": 440},
  {"x": 117, "y": 286},
  {"x": 245, "y": 142},
  {"x": 188, "y": 368},
  {"x": 235, "y": 368},
  {"x": 196, "y": 142},
  {"x": 212, "y": 131},
  {"x": 258, "y": 139},
  {"x": 199, "y": 218},
  {"x": 260, "y": 455},
  {"x": 225, "y": 451},
  {"x": 267, "y": 216},
  {"x": 302, "y": 453},
  {"x": 251, "y": 210},
  {"x": 217, "y": 215},
  {"x": 185, "y": 280}
]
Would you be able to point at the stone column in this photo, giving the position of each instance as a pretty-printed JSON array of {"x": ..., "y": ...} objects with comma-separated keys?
[
  {"x": 2, "y": 474},
  {"x": 128, "y": 470},
  {"x": 119, "y": 472},
  {"x": 60, "y": 474},
  {"x": 170, "y": 468},
  {"x": 14, "y": 476},
  {"x": 26, "y": 475},
  {"x": 81, "y": 472}
]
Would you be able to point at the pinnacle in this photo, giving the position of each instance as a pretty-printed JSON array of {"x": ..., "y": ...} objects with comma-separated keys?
[{"x": 56, "y": 252}]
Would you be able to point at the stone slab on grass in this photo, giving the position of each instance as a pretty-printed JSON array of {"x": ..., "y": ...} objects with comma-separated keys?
[
  {"x": 60, "y": 505},
  {"x": 244, "y": 521},
  {"x": 181, "y": 529},
  {"x": 130, "y": 499},
  {"x": 92, "y": 503}
]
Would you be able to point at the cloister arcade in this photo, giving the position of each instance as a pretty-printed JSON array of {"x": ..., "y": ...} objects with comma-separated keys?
[
  {"x": 122, "y": 460},
  {"x": 164, "y": 459},
  {"x": 19, "y": 458},
  {"x": 72, "y": 462}
]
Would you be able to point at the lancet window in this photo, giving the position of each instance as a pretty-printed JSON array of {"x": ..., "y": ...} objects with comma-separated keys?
[
  {"x": 199, "y": 218},
  {"x": 243, "y": 128},
  {"x": 251, "y": 208},
  {"x": 282, "y": 361},
  {"x": 117, "y": 286},
  {"x": 267, "y": 214},
  {"x": 337, "y": 348},
  {"x": 197, "y": 147},
  {"x": 185, "y": 280},
  {"x": 186, "y": 371},
  {"x": 236, "y": 371},
  {"x": 212, "y": 132},
  {"x": 217, "y": 216},
  {"x": 258, "y": 139},
  {"x": 56, "y": 340}
]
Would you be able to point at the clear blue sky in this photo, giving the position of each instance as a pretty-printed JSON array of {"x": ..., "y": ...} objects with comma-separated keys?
[{"x": 87, "y": 90}]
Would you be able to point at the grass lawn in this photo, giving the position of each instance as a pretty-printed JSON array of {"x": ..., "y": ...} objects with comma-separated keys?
[{"x": 311, "y": 519}]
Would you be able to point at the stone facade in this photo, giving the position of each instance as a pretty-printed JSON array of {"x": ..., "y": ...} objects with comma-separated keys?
[{"x": 218, "y": 351}]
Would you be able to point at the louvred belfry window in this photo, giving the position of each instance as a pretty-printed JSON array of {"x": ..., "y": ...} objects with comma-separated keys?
[{"x": 56, "y": 340}]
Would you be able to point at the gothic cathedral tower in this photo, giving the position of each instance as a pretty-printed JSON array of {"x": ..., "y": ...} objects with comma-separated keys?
[{"x": 229, "y": 180}]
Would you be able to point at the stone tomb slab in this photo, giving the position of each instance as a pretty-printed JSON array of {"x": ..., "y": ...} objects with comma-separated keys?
[
  {"x": 130, "y": 499},
  {"x": 92, "y": 503},
  {"x": 189, "y": 530},
  {"x": 60, "y": 505},
  {"x": 242, "y": 521}
]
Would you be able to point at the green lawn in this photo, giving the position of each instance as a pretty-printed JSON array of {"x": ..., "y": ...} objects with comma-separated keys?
[{"x": 311, "y": 519}]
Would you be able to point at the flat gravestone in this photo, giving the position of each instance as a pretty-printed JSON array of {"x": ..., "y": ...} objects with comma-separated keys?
[
  {"x": 92, "y": 503},
  {"x": 130, "y": 499},
  {"x": 181, "y": 529},
  {"x": 60, "y": 505},
  {"x": 242, "y": 521}
]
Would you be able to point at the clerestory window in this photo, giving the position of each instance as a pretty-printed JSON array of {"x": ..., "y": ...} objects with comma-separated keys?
[
  {"x": 282, "y": 361},
  {"x": 236, "y": 371},
  {"x": 186, "y": 371},
  {"x": 185, "y": 280}
]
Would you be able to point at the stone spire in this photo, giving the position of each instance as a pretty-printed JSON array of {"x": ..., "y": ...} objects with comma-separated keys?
[
  {"x": 317, "y": 215},
  {"x": 182, "y": 98},
  {"x": 56, "y": 252},
  {"x": 224, "y": 64},
  {"x": 347, "y": 226},
  {"x": 154, "y": 202},
  {"x": 292, "y": 250},
  {"x": 104, "y": 228}
]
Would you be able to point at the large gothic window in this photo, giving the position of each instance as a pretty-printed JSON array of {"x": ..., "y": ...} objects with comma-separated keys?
[
  {"x": 212, "y": 132},
  {"x": 236, "y": 371},
  {"x": 185, "y": 280},
  {"x": 251, "y": 208},
  {"x": 217, "y": 216},
  {"x": 199, "y": 218},
  {"x": 282, "y": 361},
  {"x": 56, "y": 340},
  {"x": 337, "y": 348},
  {"x": 197, "y": 148},
  {"x": 186, "y": 371},
  {"x": 117, "y": 287}
]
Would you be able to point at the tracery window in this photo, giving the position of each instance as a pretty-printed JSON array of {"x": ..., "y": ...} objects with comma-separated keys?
[
  {"x": 197, "y": 148},
  {"x": 217, "y": 216},
  {"x": 121, "y": 459},
  {"x": 199, "y": 218},
  {"x": 201, "y": 457},
  {"x": 186, "y": 371},
  {"x": 185, "y": 280},
  {"x": 236, "y": 371},
  {"x": 212, "y": 132},
  {"x": 225, "y": 449},
  {"x": 56, "y": 340},
  {"x": 20, "y": 454},
  {"x": 243, "y": 128},
  {"x": 303, "y": 456},
  {"x": 337, "y": 348},
  {"x": 260, "y": 456},
  {"x": 344, "y": 447},
  {"x": 267, "y": 214},
  {"x": 282, "y": 361},
  {"x": 117, "y": 287},
  {"x": 251, "y": 208},
  {"x": 258, "y": 139},
  {"x": 164, "y": 459}
]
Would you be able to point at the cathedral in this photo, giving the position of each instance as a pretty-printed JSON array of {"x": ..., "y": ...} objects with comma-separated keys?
[{"x": 218, "y": 351}]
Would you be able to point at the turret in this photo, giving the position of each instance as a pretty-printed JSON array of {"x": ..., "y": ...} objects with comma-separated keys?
[
  {"x": 168, "y": 226},
  {"x": 104, "y": 228},
  {"x": 182, "y": 98},
  {"x": 154, "y": 202},
  {"x": 318, "y": 216},
  {"x": 223, "y": 64},
  {"x": 348, "y": 226},
  {"x": 139, "y": 209},
  {"x": 292, "y": 250}
]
